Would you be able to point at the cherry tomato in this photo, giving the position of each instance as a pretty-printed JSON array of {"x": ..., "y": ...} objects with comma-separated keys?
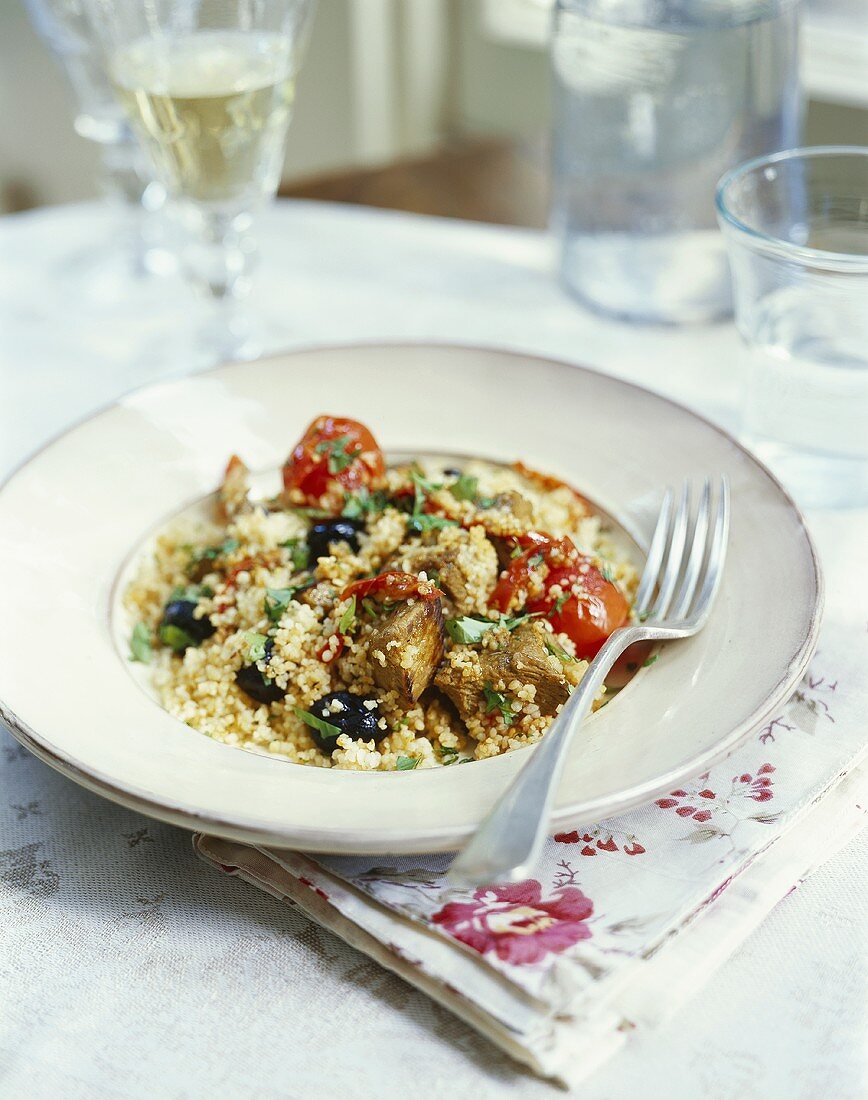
[
  {"x": 538, "y": 548},
  {"x": 393, "y": 585},
  {"x": 335, "y": 455},
  {"x": 587, "y": 617}
]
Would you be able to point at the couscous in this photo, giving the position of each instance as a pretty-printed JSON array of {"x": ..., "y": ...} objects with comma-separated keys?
[{"x": 376, "y": 617}]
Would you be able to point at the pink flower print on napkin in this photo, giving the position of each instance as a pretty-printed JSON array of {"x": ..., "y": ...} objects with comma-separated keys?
[{"x": 516, "y": 923}]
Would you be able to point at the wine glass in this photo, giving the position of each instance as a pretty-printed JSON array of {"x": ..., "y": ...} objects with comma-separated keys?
[
  {"x": 208, "y": 88},
  {"x": 133, "y": 245}
]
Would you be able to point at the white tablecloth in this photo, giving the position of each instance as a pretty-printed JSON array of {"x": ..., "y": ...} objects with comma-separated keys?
[{"x": 131, "y": 970}]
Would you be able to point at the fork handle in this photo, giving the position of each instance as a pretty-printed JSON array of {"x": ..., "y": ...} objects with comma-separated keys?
[{"x": 508, "y": 842}]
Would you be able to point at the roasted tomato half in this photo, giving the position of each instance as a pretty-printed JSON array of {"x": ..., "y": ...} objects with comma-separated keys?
[
  {"x": 588, "y": 609},
  {"x": 335, "y": 456},
  {"x": 572, "y": 594}
]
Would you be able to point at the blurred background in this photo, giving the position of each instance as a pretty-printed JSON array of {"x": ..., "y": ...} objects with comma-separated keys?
[{"x": 410, "y": 104}]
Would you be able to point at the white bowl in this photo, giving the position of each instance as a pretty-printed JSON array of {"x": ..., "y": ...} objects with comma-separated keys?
[{"x": 70, "y": 518}]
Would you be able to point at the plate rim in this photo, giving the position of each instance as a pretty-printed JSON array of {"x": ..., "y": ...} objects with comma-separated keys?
[{"x": 251, "y": 830}]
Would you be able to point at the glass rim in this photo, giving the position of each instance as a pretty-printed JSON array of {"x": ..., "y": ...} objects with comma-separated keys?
[{"x": 777, "y": 246}]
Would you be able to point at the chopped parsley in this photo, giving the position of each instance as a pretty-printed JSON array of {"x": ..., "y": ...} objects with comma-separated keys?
[
  {"x": 212, "y": 553},
  {"x": 298, "y": 553},
  {"x": 421, "y": 521},
  {"x": 448, "y": 754},
  {"x": 558, "y": 651},
  {"x": 276, "y": 602},
  {"x": 190, "y": 592},
  {"x": 140, "y": 644},
  {"x": 560, "y": 601},
  {"x": 465, "y": 488},
  {"x": 496, "y": 700},
  {"x": 338, "y": 455},
  {"x": 650, "y": 661},
  {"x": 468, "y": 630},
  {"x": 325, "y": 728},
  {"x": 407, "y": 763},
  {"x": 606, "y": 571},
  {"x": 364, "y": 503},
  {"x": 175, "y": 638},
  {"x": 370, "y": 607},
  {"x": 255, "y": 644},
  {"x": 348, "y": 619}
]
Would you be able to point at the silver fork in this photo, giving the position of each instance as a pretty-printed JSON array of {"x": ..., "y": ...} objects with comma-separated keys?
[{"x": 674, "y": 599}]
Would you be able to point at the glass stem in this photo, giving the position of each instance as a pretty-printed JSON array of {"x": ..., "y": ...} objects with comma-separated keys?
[{"x": 218, "y": 259}]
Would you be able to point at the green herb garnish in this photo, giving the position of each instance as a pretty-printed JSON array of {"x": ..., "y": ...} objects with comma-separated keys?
[
  {"x": 278, "y": 599},
  {"x": 650, "y": 661},
  {"x": 558, "y": 651},
  {"x": 211, "y": 553},
  {"x": 606, "y": 571},
  {"x": 449, "y": 755},
  {"x": 320, "y": 724},
  {"x": 191, "y": 592},
  {"x": 298, "y": 553},
  {"x": 363, "y": 503},
  {"x": 370, "y": 607},
  {"x": 140, "y": 644},
  {"x": 465, "y": 488},
  {"x": 469, "y": 630},
  {"x": 421, "y": 521},
  {"x": 560, "y": 601},
  {"x": 407, "y": 763},
  {"x": 255, "y": 646},
  {"x": 347, "y": 620},
  {"x": 496, "y": 700},
  {"x": 338, "y": 455},
  {"x": 175, "y": 638}
]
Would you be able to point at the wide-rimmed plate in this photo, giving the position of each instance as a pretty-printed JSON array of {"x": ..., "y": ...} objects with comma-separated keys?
[{"x": 70, "y": 518}]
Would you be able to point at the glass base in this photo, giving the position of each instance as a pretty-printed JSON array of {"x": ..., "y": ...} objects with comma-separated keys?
[
  {"x": 664, "y": 279},
  {"x": 816, "y": 479}
]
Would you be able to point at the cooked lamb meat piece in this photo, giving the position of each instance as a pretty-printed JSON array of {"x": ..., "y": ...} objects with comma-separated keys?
[
  {"x": 407, "y": 646},
  {"x": 516, "y": 504},
  {"x": 523, "y": 658}
]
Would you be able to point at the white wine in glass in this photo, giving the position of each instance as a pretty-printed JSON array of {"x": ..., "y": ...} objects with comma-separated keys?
[
  {"x": 212, "y": 109},
  {"x": 209, "y": 88}
]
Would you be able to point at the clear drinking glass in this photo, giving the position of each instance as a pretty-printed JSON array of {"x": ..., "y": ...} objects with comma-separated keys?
[
  {"x": 208, "y": 88},
  {"x": 133, "y": 243},
  {"x": 796, "y": 226},
  {"x": 654, "y": 100}
]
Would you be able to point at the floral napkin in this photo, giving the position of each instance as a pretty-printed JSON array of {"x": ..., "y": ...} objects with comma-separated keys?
[{"x": 623, "y": 920}]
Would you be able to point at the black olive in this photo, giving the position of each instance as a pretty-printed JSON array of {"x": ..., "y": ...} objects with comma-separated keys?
[
  {"x": 258, "y": 686},
  {"x": 327, "y": 531},
  {"x": 451, "y": 471},
  {"x": 180, "y": 619},
  {"x": 354, "y": 719}
]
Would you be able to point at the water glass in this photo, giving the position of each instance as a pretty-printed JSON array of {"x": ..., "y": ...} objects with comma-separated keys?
[
  {"x": 654, "y": 100},
  {"x": 796, "y": 226}
]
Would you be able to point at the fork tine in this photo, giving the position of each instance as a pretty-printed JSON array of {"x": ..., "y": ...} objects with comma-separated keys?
[
  {"x": 719, "y": 538},
  {"x": 698, "y": 546},
  {"x": 654, "y": 560},
  {"x": 674, "y": 555}
]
